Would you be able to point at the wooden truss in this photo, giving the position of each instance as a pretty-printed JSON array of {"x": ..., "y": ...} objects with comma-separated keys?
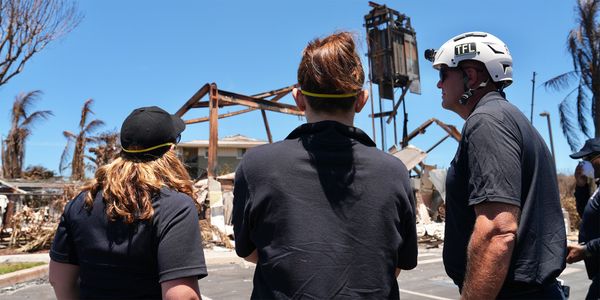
[
  {"x": 450, "y": 130},
  {"x": 220, "y": 98}
]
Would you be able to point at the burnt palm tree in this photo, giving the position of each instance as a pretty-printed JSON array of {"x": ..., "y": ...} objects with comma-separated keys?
[
  {"x": 22, "y": 121},
  {"x": 107, "y": 148},
  {"x": 583, "y": 44},
  {"x": 79, "y": 141}
]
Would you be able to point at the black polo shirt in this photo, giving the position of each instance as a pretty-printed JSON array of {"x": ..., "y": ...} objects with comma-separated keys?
[
  {"x": 590, "y": 234},
  {"x": 129, "y": 261},
  {"x": 502, "y": 158},
  {"x": 330, "y": 215}
]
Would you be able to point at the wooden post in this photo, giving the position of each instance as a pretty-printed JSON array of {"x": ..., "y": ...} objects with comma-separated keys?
[
  {"x": 264, "y": 115},
  {"x": 213, "y": 131}
]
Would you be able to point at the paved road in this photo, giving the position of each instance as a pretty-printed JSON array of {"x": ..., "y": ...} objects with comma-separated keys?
[{"x": 232, "y": 279}]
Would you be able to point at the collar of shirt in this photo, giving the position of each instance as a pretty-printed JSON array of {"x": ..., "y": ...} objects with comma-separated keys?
[
  {"x": 491, "y": 96},
  {"x": 324, "y": 126}
]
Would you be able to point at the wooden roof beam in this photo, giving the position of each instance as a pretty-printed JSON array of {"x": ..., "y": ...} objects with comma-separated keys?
[
  {"x": 235, "y": 113},
  {"x": 193, "y": 100},
  {"x": 259, "y": 103}
]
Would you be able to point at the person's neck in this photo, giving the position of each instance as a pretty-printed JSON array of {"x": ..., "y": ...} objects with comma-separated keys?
[
  {"x": 344, "y": 118},
  {"x": 472, "y": 102}
]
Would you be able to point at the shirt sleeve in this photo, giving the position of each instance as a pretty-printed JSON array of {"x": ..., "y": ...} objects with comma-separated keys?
[
  {"x": 407, "y": 254},
  {"x": 591, "y": 219},
  {"x": 241, "y": 211},
  {"x": 63, "y": 247},
  {"x": 494, "y": 160},
  {"x": 593, "y": 247},
  {"x": 179, "y": 252}
]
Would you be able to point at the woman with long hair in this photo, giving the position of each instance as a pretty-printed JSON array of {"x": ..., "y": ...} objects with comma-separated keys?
[{"x": 133, "y": 230}]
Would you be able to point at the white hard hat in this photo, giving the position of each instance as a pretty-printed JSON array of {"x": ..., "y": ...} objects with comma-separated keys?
[{"x": 479, "y": 46}]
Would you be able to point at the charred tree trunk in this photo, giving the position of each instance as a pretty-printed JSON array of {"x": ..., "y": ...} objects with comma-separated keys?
[
  {"x": 78, "y": 164},
  {"x": 12, "y": 158}
]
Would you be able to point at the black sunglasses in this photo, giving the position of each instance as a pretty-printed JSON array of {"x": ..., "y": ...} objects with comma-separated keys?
[
  {"x": 443, "y": 74},
  {"x": 591, "y": 156},
  {"x": 444, "y": 71}
]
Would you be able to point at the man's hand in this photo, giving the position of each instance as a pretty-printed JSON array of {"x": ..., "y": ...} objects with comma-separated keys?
[
  {"x": 576, "y": 253},
  {"x": 490, "y": 249}
]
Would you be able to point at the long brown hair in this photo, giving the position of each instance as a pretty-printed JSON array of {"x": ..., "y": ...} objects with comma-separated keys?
[
  {"x": 331, "y": 66},
  {"x": 128, "y": 186}
]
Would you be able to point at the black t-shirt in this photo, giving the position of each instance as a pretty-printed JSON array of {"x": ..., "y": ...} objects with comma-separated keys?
[
  {"x": 128, "y": 261},
  {"x": 590, "y": 234},
  {"x": 329, "y": 214},
  {"x": 502, "y": 158}
]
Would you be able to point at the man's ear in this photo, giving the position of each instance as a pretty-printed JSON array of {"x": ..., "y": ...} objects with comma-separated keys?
[
  {"x": 299, "y": 99},
  {"x": 474, "y": 78},
  {"x": 361, "y": 100}
]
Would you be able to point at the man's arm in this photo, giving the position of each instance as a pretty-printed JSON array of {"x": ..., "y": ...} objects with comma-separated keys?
[
  {"x": 181, "y": 288},
  {"x": 490, "y": 249},
  {"x": 253, "y": 257},
  {"x": 64, "y": 279}
]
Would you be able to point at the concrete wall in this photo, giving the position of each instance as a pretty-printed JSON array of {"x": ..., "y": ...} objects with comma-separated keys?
[{"x": 196, "y": 160}]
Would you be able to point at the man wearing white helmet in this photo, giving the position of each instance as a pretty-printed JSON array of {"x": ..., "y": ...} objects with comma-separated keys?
[{"x": 505, "y": 235}]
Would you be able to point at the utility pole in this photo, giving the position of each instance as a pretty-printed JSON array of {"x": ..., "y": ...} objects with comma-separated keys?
[
  {"x": 532, "y": 97},
  {"x": 547, "y": 115}
]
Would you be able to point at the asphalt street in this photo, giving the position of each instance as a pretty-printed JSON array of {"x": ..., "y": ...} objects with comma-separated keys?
[{"x": 230, "y": 278}]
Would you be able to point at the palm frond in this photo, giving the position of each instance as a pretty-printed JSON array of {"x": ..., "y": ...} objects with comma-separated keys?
[
  {"x": 69, "y": 135},
  {"x": 17, "y": 135},
  {"x": 92, "y": 126},
  {"x": 583, "y": 111},
  {"x": 561, "y": 81},
  {"x": 583, "y": 44},
  {"x": 85, "y": 112},
  {"x": 65, "y": 156},
  {"x": 36, "y": 116},
  {"x": 28, "y": 99},
  {"x": 92, "y": 140},
  {"x": 569, "y": 129},
  {"x": 90, "y": 168}
]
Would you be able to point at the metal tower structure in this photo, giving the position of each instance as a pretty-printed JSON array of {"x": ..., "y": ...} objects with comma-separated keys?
[{"x": 393, "y": 63}]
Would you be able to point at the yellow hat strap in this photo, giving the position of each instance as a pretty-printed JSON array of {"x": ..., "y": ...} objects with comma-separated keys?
[
  {"x": 148, "y": 149},
  {"x": 332, "y": 96}
]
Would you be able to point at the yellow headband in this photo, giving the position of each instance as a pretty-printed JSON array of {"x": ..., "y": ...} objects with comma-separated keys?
[
  {"x": 333, "y": 96},
  {"x": 148, "y": 149}
]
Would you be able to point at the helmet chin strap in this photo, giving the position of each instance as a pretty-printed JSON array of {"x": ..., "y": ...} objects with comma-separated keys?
[{"x": 464, "y": 98}]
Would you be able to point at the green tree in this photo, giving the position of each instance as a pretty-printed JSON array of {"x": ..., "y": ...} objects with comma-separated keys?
[
  {"x": 79, "y": 141},
  {"x": 22, "y": 121},
  {"x": 583, "y": 43}
]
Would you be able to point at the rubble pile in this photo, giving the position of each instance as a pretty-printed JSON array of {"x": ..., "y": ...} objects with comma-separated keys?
[
  {"x": 215, "y": 203},
  {"x": 32, "y": 229}
]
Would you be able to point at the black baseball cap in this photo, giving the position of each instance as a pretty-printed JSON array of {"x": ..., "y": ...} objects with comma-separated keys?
[
  {"x": 591, "y": 146},
  {"x": 149, "y": 132}
]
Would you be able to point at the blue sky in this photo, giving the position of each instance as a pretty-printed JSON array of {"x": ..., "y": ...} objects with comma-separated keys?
[{"x": 127, "y": 54}]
